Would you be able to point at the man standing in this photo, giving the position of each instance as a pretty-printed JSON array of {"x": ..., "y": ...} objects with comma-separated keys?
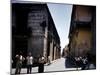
[
  {"x": 19, "y": 60},
  {"x": 41, "y": 64},
  {"x": 29, "y": 62}
]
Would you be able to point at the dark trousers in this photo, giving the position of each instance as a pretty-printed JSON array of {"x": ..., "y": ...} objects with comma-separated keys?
[
  {"x": 41, "y": 68},
  {"x": 29, "y": 68},
  {"x": 84, "y": 66},
  {"x": 18, "y": 68}
]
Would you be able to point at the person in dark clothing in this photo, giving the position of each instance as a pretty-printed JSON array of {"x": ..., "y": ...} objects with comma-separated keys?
[
  {"x": 78, "y": 61},
  {"x": 41, "y": 65},
  {"x": 84, "y": 63},
  {"x": 91, "y": 61}
]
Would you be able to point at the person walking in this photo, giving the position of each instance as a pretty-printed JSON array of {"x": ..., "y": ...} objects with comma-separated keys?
[
  {"x": 19, "y": 60},
  {"x": 29, "y": 63}
]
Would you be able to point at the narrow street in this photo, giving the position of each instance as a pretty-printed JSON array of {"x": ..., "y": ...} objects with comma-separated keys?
[{"x": 57, "y": 65}]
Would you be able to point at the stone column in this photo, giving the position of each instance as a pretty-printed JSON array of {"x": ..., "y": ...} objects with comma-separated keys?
[
  {"x": 54, "y": 52},
  {"x": 45, "y": 36},
  {"x": 51, "y": 50},
  {"x": 57, "y": 53},
  {"x": 45, "y": 42}
]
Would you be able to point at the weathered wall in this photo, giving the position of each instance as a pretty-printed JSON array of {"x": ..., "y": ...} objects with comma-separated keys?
[{"x": 83, "y": 13}]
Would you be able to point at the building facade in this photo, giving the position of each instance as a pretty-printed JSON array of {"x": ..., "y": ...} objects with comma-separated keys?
[
  {"x": 82, "y": 34},
  {"x": 65, "y": 52},
  {"x": 33, "y": 30}
]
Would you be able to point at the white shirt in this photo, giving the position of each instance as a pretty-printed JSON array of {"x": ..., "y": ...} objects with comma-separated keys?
[
  {"x": 42, "y": 58},
  {"x": 21, "y": 58},
  {"x": 30, "y": 60}
]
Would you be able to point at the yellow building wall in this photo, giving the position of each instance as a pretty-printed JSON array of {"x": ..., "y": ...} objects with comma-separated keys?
[
  {"x": 84, "y": 40},
  {"x": 81, "y": 42}
]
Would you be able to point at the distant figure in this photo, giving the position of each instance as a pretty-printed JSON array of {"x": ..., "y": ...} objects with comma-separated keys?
[
  {"x": 41, "y": 64},
  {"x": 19, "y": 60},
  {"x": 91, "y": 61},
  {"x": 85, "y": 62},
  {"x": 49, "y": 62},
  {"x": 78, "y": 61},
  {"x": 29, "y": 63}
]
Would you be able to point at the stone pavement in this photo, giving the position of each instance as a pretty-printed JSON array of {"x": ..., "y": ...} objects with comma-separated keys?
[{"x": 57, "y": 65}]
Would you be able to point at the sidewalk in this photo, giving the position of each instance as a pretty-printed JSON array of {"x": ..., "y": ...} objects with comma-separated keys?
[{"x": 56, "y": 65}]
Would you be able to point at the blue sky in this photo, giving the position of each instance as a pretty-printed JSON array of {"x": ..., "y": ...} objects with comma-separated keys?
[{"x": 61, "y": 14}]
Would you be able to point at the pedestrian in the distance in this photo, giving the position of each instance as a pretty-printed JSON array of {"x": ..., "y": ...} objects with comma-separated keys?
[
  {"x": 91, "y": 61},
  {"x": 85, "y": 62},
  {"x": 49, "y": 61},
  {"x": 29, "y": 62}
]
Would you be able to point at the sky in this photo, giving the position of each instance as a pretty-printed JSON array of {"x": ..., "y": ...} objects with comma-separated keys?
[{"x": 61, "y": 14}]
